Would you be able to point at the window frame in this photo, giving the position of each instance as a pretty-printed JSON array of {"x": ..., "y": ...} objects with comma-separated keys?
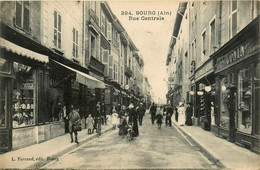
[
  {"x": 211, "y": 48},
  {"x": 22, "y": 14},
  {"x": 203, "y": 43},
  {"x": 75, "y": 44},
  {"x": 232, "y": 12},
  {"x": 58, "y": 24}
]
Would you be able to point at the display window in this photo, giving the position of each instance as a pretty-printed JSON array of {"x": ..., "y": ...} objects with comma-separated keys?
[
  {"x": 23, "y": 96},
  {"x": 245, "y": 100},
  {"x": 3, "y": 101},
  {"x": 256, "y": 92},
  {"x": 4, "y": 66},
  {"x": 224, "y": 110}
]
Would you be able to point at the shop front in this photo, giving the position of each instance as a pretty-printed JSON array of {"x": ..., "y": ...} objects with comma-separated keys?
[
  {"x": 21, "y": 75},
  {"x": 203, "y": 91},
  {"x": 237, "y": 71}
]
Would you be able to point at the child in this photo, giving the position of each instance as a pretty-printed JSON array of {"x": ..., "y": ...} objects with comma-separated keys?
[
  {"x": 114, "y": 120},
  {"x": 90, "y": 123}
]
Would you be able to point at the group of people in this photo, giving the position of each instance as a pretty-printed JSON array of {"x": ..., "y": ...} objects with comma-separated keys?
[
  {"x": 93, "y": 121},
  {"x": 157, "y": 114},
  {"x": 128, "y": 117},
  {"x": 182, "y": 116}
]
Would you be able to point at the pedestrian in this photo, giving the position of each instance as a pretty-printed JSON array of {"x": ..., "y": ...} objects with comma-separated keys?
[
  {"x": 98, "y": 118},
  {"x": 121, "y": 113},
  {"x": 90, "y": 123},
  {"x": 181, "y": 112},
  {"x": 74, "y": 120},
  {"x": 114, "y": 119},
  {"x": 168, "y": 119},
  {"x": 159, "y": 116},
  {"x": 123, "y": 126},
  {"x": 140, "y": 111},
  {"x": 103, "y": 114},
  {"x": 153, "y": 112},
  {"x": 176, "y": 114},
  {"x": 189, "y": 111},
  {"x": 133, "y": 117}
]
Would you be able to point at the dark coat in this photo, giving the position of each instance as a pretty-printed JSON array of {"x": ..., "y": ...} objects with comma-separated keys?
[
  {"x": 141, "y": 111},
  {"x": 133, "y": 117}
]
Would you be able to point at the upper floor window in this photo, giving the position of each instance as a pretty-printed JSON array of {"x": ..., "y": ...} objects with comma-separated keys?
[
  {"x": 75, "y": 43},
  {"x": 232, "y": 18},
  {"x": 93, "y": 46},
  {"x": 115, "y": 71},
  {"x": 57, "y": 29},
  {"x": 212, "y": 36},
  {"x": 103, "y": 24},
  {"x": 203, "y": 45},
  {"x": 22, "y": 15}
]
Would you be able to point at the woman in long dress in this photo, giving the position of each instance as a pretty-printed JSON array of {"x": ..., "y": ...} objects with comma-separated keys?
[{"x": 181, "y": 114}]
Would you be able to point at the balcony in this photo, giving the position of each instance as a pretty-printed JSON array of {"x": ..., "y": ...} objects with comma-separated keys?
[
  {"x": 128, "y": 72},
  {"x": 96, "y": 66}
]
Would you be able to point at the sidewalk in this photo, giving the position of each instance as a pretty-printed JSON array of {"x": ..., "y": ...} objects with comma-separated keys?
[
  {"x": 37, "y": 155},
  {"x": 225, "y": 154}
]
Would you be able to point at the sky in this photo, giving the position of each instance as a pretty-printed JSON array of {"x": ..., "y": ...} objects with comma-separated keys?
[{"x": 152, "y": 38}]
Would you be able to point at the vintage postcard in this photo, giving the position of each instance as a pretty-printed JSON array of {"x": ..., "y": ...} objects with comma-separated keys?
[{"x": 129, "y": 84}]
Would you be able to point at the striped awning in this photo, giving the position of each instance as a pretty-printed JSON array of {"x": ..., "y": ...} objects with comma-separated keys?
[
  {"x": 85, "y": 79},
  {"x": 9, "y": 46}
]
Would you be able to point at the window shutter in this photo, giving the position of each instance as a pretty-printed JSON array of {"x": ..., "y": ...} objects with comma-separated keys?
[
  {"x": 105, "y": 56},
  {"x": 26, "y": 18},
  {"x": 59, "y": 22},
  {"x": 110, "y": 61},
  {"x": 118, "y": 39},
  {"x": 18, "y": 18},
  {"x": 109, "y": 32},
  {"x": 55, "y": 19}
]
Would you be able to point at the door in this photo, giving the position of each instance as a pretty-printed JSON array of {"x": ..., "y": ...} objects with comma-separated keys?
[
  {"x": 232, "y": 114},
  {"x": 5, "y": 128}
]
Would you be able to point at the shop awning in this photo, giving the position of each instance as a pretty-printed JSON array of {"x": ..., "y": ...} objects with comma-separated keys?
[
  {"x": 85, "y": 79},
  {"x": 9, "y": 46}
]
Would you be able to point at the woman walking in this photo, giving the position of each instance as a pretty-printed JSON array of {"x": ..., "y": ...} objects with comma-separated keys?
[
  {"x": 133, "y": 117},
  {"x": 181, "y": 116},
  {"x": 159, "y": 116},
  {"x": 90, "y": 123}
]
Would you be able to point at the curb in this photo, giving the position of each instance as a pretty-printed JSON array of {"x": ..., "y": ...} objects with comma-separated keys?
[
  {"x": 37, "y": 165},
  {"x": 202, "y": 149}
]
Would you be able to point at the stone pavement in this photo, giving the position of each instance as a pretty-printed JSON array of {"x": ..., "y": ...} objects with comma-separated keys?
[
  {"x": 224, "y": 153},
  {"x": 37, "y": 155}
]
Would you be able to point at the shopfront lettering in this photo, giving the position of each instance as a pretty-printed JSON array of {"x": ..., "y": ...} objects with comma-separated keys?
[{"x": 231, "y": 57}]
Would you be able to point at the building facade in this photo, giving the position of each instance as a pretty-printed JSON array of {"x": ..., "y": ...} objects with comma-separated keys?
[
  {"x": 80, "y": 39},
  {"x": 221, "y": 43}
]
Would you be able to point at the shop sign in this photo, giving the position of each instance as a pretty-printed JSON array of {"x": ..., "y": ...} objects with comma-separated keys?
[
  {"x": 96, "y": 76},
  {"x": 204, "y": 69},
  {"x": 28, "y": 85},
  {"x": 236, "y": 55}
]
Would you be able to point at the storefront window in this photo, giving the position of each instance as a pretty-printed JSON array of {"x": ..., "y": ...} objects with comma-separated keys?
[
  {"x": 244, "y": 101},
  {"x": 3, "y": 101},
  {"x": 23, "y": 96},
  {"x": 224, "y": 112},
  {"x": 4, "y": 66},
  {"x": 257, "y": 97}
]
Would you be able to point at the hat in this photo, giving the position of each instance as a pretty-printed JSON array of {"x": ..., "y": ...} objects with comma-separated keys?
[
  {"x": 180, "y": 103},
  {"x": 131, "y": 106}
]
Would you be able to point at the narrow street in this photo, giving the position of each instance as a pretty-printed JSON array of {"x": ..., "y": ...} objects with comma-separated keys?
[{"x": 165, "y": 148}]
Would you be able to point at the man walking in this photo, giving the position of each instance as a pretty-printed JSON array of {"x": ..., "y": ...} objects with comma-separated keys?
[
  {"x": 141, "y": 111},
  {"x": 168, "y": 119},
  {"x": 153, "y": 112}
]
